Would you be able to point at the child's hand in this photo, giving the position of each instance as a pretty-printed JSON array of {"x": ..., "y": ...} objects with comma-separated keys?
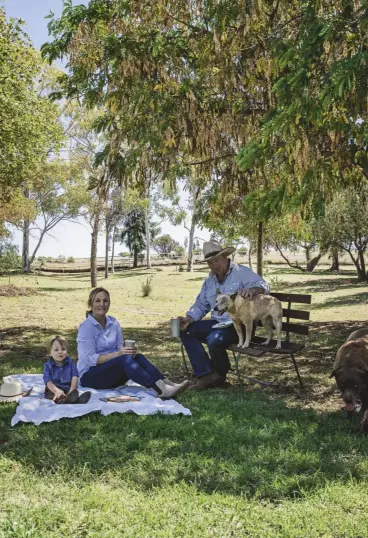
[{"x": 58, "y": 394}]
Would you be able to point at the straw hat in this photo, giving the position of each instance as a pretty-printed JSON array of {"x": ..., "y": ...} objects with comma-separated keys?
[
  {"x": 11, "y": 391},
  {"x": 213, "y": 249}
]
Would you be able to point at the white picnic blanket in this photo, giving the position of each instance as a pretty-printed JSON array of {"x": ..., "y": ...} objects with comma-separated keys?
[{"x": 35, "y": 408}]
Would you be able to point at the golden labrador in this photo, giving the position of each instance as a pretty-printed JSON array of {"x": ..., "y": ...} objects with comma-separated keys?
[{"x": 244, "y": 311}]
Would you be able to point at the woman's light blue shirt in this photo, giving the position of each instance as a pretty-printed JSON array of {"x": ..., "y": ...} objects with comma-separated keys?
[{"x": 94, "y": 340}]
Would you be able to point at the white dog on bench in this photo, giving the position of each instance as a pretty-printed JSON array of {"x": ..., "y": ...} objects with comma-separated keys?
[{"x": 244, "y": 311}]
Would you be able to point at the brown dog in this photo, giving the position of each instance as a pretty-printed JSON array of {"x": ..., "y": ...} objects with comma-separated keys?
[
  {"x": 244, "y": 311},
  {"x": 351, "y": 374}
]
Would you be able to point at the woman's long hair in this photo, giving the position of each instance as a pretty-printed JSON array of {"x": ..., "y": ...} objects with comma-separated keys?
[{"x": 92, "y": 297}]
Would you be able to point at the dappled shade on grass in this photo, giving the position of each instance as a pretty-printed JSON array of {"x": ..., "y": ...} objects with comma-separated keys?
[{"x": 272, "y": 463}]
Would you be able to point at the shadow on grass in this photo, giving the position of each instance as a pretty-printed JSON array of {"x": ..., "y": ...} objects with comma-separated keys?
[
  {"x": 55, "y": 289},
  {"x": 253, "y": 444},
  {"x": 316, "y": 285},
  {"x": 343, "y": 300}
]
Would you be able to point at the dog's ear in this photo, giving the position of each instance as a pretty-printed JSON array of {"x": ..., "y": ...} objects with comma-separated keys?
[
  {"x": 335, "y": 372},
  {"x": 233, "y": 296}
]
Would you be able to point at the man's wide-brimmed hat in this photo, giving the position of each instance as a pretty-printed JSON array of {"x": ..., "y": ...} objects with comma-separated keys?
[
  {"x": 11, "y": 391},
  {"x": 213, "y": 249}
]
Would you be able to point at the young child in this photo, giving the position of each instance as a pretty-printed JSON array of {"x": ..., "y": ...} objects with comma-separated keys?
[{"x": 60, "y": 374}]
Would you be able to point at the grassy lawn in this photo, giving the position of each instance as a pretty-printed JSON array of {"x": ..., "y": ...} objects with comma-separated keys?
[{"x": 267, "y": 463}]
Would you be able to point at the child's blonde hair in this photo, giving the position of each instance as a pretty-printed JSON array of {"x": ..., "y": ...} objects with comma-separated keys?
[{"x": 58, "y": 338}]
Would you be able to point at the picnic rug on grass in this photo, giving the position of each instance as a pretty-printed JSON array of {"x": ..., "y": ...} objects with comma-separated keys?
[{"x": 36, "y": 409}]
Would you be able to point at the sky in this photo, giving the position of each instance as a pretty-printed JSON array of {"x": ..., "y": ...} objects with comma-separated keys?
[{"x": 69, "y": 239}]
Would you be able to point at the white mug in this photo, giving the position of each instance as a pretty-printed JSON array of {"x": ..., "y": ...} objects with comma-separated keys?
[
  {"x": 175, "y": 327},
  {"x": 129, "y": 343}
]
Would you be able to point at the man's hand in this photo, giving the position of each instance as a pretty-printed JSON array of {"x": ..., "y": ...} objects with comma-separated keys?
[
  {"x": 249, "y": 293},
  {"x": 185, "y": 321},
  {"x": 58, "y": 394}
]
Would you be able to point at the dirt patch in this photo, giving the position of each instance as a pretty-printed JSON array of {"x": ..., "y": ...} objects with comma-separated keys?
[{"x": 9, "y": 290}]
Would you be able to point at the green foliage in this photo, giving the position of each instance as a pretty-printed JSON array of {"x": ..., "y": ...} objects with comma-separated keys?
[
  {"x": 9, "y": 259},
  {"x": 179, "y": 250},
  {"x": 28, "y": 120},
  {"x": 165, "y": 245},
  {"x": 345, "y": 226},
  {"x": 70, "y": 259}
]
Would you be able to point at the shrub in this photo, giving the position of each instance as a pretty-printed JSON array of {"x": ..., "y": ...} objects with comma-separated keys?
[
  {"x": 9, "y": 259},
  {"x": 181, "y": 268},
  {"x": 70, "y": 259},
  {"x": 147, "y": 287},
  {"x": 179, "y": 251}
]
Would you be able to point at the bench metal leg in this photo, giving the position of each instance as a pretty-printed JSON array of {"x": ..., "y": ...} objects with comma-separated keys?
[
  {"x": 236, "y": 359},
  {"x": 184, "y": 359},
  {"x": 297, "y": 370}
]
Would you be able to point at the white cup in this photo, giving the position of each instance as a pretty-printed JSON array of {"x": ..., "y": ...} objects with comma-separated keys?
[
  {"x": 129, "y": 343},
  {"x": 175, "y": 327}
]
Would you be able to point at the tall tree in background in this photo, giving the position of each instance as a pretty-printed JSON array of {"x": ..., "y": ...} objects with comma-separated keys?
[{"x": 133, "y": 234}]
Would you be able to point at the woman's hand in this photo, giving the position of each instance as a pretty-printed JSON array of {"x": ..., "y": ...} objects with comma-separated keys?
[
  {"x": 128, "y": 351},
  {"x": 58, "y": 393}
]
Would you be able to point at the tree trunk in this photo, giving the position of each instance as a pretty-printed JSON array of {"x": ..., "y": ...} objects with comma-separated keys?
[
  {"x": 307, "y": 255},
  {"x": 148, "y": 240},
  {"x": 190, "y": 247},
  {"x": 313, "y": 263},
  {"x": 192, "y": 230},
  {"x": 250, "y": 256},
  {"x": 107, "y": 250},
  {"x": 260, "y": 249},
  {"x": 335, "y": 265},
  {"x": 361, "y": 275},
  {"x": 25, "y": 248},
  {"x": 363, "y": 272},
  {"x": 113, "y": 249},
  {"x": 94, "y": 235},
  {"x": 37, "y": 247},
  {"x": 135, "y": 259}
]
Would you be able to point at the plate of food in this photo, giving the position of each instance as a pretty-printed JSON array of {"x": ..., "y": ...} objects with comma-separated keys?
[
  {"x": 124, "y": 398},
  {"x": 222, "y": 325}
]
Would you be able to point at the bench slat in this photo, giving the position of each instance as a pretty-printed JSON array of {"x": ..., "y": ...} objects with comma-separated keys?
[
  {"x": 252, "y": 351},
  {"x": 295, "y": 328},
  {"x": 293, "y": 297},
  {"x": 296, "y": 314},
  {"x": 286, "y": 347}
]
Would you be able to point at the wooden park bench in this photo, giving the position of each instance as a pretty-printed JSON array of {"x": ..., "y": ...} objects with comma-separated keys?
[{"x": 288, "y": 347}]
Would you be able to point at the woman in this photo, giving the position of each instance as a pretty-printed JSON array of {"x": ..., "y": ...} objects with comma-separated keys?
[{"x": 104, "y": 362}]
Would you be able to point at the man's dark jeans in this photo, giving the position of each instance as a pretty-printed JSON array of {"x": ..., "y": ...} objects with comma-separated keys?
[{"x": 217, "y": 340}]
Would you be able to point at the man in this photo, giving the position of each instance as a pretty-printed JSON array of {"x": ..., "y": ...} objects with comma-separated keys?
[{"x": 225, "y": 277}]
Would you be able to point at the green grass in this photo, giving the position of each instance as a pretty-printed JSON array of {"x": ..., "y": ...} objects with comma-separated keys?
[{"x": 267, "y": 463}]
